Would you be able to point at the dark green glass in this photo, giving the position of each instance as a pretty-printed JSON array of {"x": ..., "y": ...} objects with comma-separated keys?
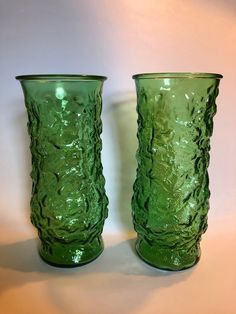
[
  {"x": 171, "y": 193},
  {"x": 68, "y": 204}
]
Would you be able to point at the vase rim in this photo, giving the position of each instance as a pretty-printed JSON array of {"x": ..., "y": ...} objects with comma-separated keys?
[
  {"x": 61, "y": 77},
  {"x": 189, "y": 75}
]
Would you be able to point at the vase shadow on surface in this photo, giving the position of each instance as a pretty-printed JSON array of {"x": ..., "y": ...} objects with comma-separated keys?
[
  {"x": 118, "y": 274},
  {"x": 117, "y": 259},
  {"x": 228, "y": 6},
  {"x": 122, "y": 117}
]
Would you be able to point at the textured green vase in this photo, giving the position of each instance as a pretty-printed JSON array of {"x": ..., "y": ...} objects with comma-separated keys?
[
  {"x": 68, "y": 204},
  {"x": 171, "y": 193}
]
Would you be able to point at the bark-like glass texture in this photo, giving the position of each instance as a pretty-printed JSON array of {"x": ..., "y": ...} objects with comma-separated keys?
[
  {"x": 68, "y": 204},
  {"x": 171, "y": 193}
]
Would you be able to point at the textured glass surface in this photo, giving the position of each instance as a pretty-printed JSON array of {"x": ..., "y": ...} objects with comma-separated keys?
[
  {"x": 171, "y": 194},
  {"x": 68, "y": 205}
]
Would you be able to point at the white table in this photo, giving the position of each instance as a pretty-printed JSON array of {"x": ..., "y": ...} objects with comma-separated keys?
[{"x": 118, "y": 281}]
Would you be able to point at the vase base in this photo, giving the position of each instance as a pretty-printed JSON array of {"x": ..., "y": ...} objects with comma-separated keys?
[
  {"x": 167, "y": 259},
  {"x": 72, "y": 254}
]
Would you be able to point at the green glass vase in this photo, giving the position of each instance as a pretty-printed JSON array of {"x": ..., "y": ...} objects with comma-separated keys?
[
  {"x": 171, "y": 194},
  {"x": 68, "y": 204}
]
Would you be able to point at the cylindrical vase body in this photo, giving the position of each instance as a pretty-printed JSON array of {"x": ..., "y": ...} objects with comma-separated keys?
[
  {"x": 68, "y": 204},
  {"x": 171, "y": 193}
]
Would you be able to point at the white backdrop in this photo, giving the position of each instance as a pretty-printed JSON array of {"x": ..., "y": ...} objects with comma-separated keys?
[{"x": 116, "y": 38}]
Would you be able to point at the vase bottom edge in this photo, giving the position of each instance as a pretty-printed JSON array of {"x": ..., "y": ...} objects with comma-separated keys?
[
  {"x": 70, "y": 255},
  {"x": 167, "y": 259}
]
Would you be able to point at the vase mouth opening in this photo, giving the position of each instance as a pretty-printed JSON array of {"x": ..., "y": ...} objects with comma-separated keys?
[
  {"x": 60, "y": 77},
  {"x": 187, "y": 75}
]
